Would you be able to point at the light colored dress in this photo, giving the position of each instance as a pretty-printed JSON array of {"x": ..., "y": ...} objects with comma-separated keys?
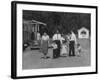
[
  {"x": 79, "y": 50},
  {"x": 39, "y": 39},
  {"x": 64, "y": 50},
  {"x": 38, "y": 36}
]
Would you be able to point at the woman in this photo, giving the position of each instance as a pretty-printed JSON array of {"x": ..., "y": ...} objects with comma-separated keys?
[
  {"x": 39, "y": 39},
  {"x": 44, "y": 44}
]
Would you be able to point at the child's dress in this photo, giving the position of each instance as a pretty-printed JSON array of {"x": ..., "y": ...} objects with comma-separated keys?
[
  {"x": 64, "y": 50},
  {"x": 78, "y": 50}
]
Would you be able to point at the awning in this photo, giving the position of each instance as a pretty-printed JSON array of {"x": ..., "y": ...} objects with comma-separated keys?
[{"x": 33, "y": 22}]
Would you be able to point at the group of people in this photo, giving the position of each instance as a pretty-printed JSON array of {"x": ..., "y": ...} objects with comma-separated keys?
[{"x": 61, "y": 45}]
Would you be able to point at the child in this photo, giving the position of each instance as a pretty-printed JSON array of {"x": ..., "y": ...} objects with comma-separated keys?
[
  {"x": 78, "y": 49},
  {"x": 64, "y": 49},
  {"x": 54, "y": 45}
]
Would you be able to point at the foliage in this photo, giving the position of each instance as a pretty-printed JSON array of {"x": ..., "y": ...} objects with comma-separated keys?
[{"x": 62, "y": 21}]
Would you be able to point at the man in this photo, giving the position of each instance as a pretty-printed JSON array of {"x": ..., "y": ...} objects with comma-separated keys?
[
  {"x": 72, "y": 42},
  {"x": 57, "y": 39}
]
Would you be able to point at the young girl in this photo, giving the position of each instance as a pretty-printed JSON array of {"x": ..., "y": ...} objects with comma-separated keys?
[
  {"x": 78, "y": 49},
  {"x": 64, "y": 49},
  {"x": 54, "y": 45}
]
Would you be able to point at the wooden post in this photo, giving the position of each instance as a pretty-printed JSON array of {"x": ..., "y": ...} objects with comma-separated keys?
[
  {"x": 38, "y": 27},
  {"x": 35, "y": 31}
]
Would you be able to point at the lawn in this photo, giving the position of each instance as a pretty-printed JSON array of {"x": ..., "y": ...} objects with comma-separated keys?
[{"x": 32, "y": 58}]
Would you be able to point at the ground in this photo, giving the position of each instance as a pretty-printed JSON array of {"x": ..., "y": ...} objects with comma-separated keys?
[{"x": 32, "y": 58}]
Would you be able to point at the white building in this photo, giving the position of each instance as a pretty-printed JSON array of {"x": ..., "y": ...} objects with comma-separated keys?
[{"x": 83, "y": 33}]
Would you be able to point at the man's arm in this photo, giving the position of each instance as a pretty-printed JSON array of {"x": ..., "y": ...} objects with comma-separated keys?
[{"x": 75, "y": 39}]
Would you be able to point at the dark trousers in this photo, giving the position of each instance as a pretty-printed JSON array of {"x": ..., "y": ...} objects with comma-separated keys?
[
  {"x": 72, "y": 48},
  {"x": 58, "y": 47}
]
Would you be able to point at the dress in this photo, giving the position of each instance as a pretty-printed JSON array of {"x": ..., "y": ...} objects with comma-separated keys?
[
  {"x": 38, "y": 36},
  {"x": 44, "y": 44},
  {"x": 64, "y": 49},
  {"x": 39, "y": 39},
  {"x": 79, "y": 50}
]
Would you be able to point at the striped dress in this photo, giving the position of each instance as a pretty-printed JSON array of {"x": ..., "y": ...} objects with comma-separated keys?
[{"x": 44, "y": 44}]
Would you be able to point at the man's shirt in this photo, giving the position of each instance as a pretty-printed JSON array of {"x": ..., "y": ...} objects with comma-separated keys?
[
  {"x": 57, "y": 37},
  {"x": 73, "y": 37}
]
